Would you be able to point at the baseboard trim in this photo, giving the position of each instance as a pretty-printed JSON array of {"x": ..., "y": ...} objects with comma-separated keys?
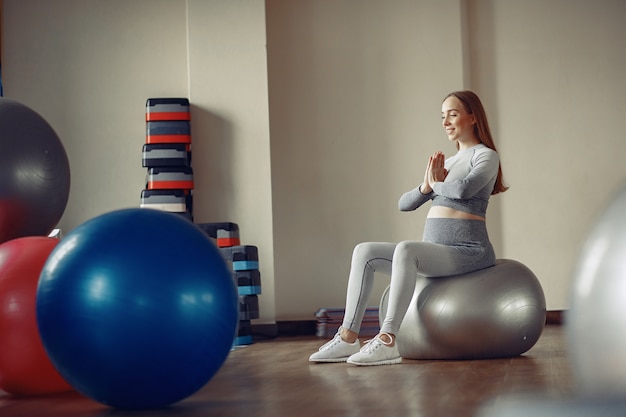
[
  {"x": 309, "y": 327},
  {"x": 285, "y": 328},
  {"x": 555, "y": 317}
]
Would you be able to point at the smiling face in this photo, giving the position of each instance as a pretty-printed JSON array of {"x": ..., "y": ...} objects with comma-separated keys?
[{"x": 458, "y": 123}]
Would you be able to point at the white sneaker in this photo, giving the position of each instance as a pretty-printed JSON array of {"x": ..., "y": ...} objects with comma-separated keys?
[
  {"x": 336, "y": 350},
  {"x": 376, "y": 352}
]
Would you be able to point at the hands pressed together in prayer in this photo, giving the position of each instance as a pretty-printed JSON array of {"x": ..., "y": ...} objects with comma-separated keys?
[{"x": 435, "y": 172}]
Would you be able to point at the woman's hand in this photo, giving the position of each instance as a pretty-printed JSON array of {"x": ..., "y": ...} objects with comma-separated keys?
[{"x": 435, "y": 172}]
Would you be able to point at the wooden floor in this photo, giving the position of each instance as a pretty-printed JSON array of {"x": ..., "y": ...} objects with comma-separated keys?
[{"x": 274, "y": 378}]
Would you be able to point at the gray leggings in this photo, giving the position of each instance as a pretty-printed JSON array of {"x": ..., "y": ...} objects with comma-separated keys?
[{"x": 449, "y": 247}]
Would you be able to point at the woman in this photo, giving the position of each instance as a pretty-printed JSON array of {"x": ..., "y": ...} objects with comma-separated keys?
[{"x": 455, "y": 237}]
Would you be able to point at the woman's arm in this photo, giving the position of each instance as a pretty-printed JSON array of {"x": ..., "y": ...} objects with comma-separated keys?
[
  {"x": 435, "y": 170},
  {"x": 484, "y": 169},
  {"x": 413, "y": 199}
]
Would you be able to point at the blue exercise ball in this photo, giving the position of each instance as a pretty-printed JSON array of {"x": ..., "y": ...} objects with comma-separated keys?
[
  {"x": 34, "y": 173},
  {"x": 137, "y": 308}
]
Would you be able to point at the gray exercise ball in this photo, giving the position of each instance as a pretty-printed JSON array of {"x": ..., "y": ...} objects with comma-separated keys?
[
  {"x": 34, "y": 173},
  {"x": 596, "y": 321},
  {"x": 495, "y": 312}
]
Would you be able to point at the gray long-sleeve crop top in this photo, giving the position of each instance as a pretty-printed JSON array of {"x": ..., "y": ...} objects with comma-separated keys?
[{"x": 471, "y": 177}]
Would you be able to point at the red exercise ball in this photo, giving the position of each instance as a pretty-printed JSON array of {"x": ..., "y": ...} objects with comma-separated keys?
[{"x": 24, "y": 365}]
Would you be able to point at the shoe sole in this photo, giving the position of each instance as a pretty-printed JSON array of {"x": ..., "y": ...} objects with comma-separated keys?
[
  {"x": 340, "y": 360},
  {"x": 393, "y": 361}
]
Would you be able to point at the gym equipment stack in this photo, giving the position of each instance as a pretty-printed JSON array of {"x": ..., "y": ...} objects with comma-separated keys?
[
  {"x": 169, "y": 187},
  {"x": 243, "y": 261},
  {"x": 167, "y": 156}
]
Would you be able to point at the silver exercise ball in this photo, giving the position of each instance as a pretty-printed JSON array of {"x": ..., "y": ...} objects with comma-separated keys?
[
  {"x": 596, "y": 321},
  {"x": 492, "y": 313}
]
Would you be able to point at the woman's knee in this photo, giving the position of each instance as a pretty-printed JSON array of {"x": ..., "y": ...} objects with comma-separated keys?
[
  {"x": 364, "y": 251},
  {"x": 377, "y": 255},
  {"x": 405, "y": 250}
]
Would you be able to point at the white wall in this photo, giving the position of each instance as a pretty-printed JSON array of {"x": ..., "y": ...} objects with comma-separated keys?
[
  {"x": 553, "y": 72},
  {"x": 88, "y": 67},
  {"x": 355, "y": 91},
  {"x": 354, "y": 94},
  {"x": 230, "y": 128}
]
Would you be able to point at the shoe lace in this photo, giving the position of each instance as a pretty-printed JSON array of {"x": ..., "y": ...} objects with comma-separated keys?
[
  {"x": 331, "y": 342},
  {"x": 372, "y": 344}
]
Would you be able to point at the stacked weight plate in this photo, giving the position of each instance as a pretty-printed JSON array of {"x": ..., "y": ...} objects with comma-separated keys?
[
  {"x": 243, "y": 261},
  {"x": 167, "y": 156}
]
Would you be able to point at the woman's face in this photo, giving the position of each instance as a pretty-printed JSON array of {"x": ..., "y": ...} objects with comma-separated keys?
[{"x": 457, "y": 122}]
